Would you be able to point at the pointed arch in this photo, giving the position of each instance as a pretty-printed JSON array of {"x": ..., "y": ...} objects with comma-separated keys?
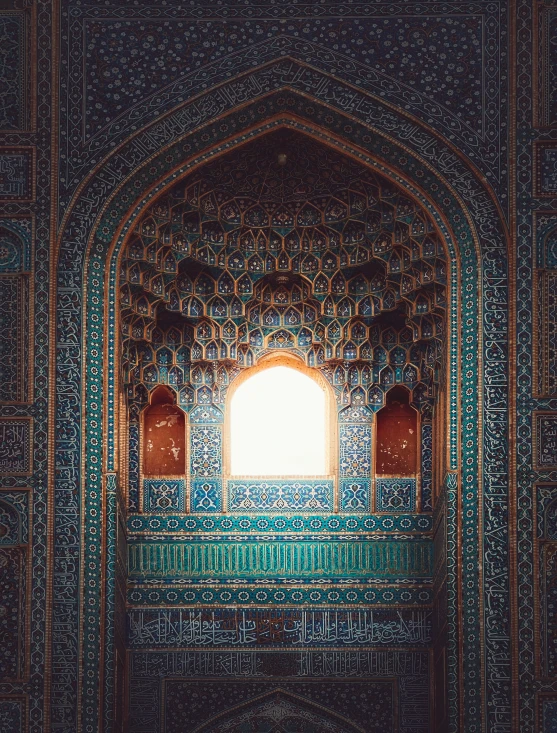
[
  {"x": 463, "y": 206},
  {"x": 274, "y": 709}
]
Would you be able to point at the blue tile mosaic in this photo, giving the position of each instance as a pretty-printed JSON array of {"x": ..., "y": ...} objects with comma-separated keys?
[
  {"x": 355, "y": 450},
  {"x": 206, "y": 495},
  {"x": 280, "y": 495},
  {"x": 355, "y": 495},
  {"x": 206, "y": 451},
  {"x": 163, "y": 495},
  {"x": 395, "y": 494}
]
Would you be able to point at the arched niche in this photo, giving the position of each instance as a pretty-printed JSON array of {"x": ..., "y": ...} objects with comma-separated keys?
[
  {"x": 163, "y": 444},
  {"x": 397, "y": 441}
]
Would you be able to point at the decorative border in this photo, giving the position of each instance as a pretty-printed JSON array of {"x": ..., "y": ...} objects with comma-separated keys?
[
  {"x": 240, "y": 525},
  {"x": 29, "y": 449},
  {"x": 541, "y": 80},
  {"x": 31, "y": 174},
  {"x": 28, "y": 67},
  {"x": 537, "y": 390},
  {"x": 274, "y": 490},
  {"x": 540, "y": 699},
  {"x": 24, "y": 706},
  {"x": 537, "y": 183},
  {"x": 537, "y": 466},
  {"x": 353, "y": 596}
]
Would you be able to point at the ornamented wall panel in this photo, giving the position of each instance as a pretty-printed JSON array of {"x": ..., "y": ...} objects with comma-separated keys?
[
  {"x": 13, "y": 713},
  {"x": 282, "y": 336},
  {"x": 16, "y": 440},
  {"x": 14, "y": 584},
  {"x": 16, "y": 174},
  {"x": 545, "y": 73},
  {"x": 16, "y": 71},
  {"x": 545, "y": 303},
  {"x": 391, "y": 687}
]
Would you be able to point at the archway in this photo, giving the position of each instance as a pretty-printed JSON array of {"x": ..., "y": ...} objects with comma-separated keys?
[{"x": 466, "y": 306}]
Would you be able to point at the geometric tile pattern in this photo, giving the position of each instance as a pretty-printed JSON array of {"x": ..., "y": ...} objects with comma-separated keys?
[
  {"x": 242, "y": 525},
  {"x": 206, "y": 451},
  {"x": 11, "y": 716},
  {"x": 14, "y": 345},
  {"x": 13, "y": 70},
  {"x": 280, "y": 495},
  {"x": 13, "y": 568},
  {"x": 549, "y": 716},
  {"x": 263, "y": 705},
  {"x": 206, "y": 495},
  {"x": 547, "y": 336},
  {"x": 395, "y": 494},
  {"x": 164, "y": 495},
  {"x": 383, "y": 592},
  {"x": 355, "y": 494},
  {"x": 355, "y": 450},
  {"x": 372, "y": 668}
]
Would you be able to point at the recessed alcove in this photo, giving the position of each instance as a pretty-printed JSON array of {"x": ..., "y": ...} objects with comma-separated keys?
[
  {"x": 164, "y": 436},
  {"x": 397, "y": 436},
  {"x": 284, "y": 343},
  {"x": 314, "y": 258}
]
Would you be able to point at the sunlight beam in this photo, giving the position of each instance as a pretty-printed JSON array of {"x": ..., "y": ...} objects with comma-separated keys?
[{"x": 277, "y": 425}]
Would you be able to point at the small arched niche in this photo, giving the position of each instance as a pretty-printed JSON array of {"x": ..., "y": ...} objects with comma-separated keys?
[
  {"x": 278, "y": 421},
  {"x": 164, "y": 436},
  {"x": 397, "y": 436}
]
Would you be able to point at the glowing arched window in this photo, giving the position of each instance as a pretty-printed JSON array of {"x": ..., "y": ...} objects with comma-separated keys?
[{"x": 278, "y": 420}]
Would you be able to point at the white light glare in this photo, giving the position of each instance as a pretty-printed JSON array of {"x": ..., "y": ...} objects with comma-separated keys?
[{"x": 277, "y": 425}]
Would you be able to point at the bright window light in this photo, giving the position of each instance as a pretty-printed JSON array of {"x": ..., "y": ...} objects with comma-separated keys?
[{"x": 277, "y": 425}]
